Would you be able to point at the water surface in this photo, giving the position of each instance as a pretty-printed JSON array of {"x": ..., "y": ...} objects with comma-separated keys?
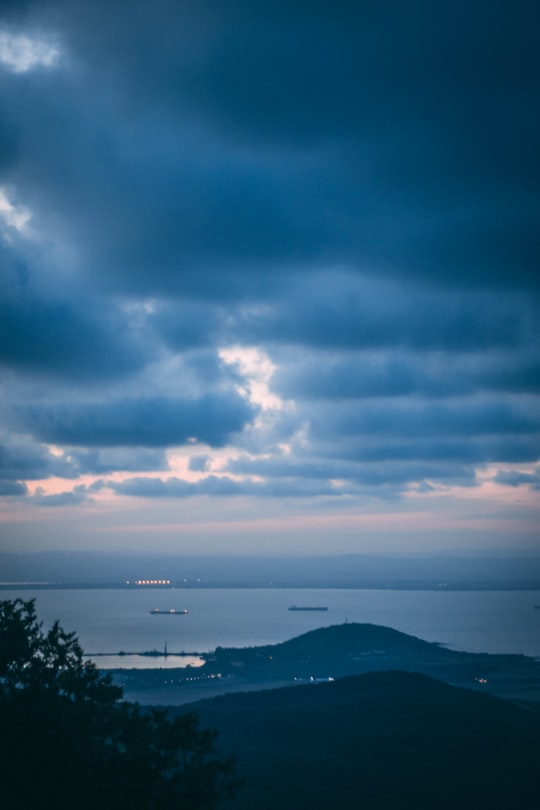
[{"x": 109, "y": 621}]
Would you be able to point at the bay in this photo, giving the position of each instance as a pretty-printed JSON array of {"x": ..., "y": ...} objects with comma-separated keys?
[{"x": 110, "y": 621}]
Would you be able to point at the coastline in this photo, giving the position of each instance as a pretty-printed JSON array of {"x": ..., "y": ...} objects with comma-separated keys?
[{"x": 329, "y": 654}]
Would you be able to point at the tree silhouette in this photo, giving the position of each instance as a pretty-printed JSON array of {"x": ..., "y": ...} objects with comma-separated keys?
[{"x": 67, "y": 739}]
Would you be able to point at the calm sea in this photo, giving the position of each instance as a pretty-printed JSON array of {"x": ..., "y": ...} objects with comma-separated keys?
[{"x": 109, "y": 621}]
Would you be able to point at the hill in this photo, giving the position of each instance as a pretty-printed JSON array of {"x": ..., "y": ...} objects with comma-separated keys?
[
  {"x": 334, "y": 652},
  {"x": 380, "y": 740}
]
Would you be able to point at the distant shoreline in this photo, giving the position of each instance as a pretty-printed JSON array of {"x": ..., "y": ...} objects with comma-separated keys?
[{"x": 397, "y": 585}]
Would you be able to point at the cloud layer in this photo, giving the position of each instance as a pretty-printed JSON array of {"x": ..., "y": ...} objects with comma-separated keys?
[{"x": 268, "y": 251}]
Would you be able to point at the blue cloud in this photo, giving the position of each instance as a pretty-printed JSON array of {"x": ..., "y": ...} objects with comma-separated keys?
[
  {"x": 74, "y": 497},
  {"x": 350, "y": 188},
  {"x": 12, "y": 488},
  {"x": 144, "y": 422},
  {"x": 199, "y": 463},
  {"x": 106, "y": 460},
  {"x": 76, "y": 336},
  {"x": 365, "y": 143},
  {"x": 23, "y": 459},
  {"x": 514, "y": 478},
  {"x": 224, "y": 486}
]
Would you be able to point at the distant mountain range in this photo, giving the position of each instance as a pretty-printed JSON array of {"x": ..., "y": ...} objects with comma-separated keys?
[{"x": 352, "y": 570}]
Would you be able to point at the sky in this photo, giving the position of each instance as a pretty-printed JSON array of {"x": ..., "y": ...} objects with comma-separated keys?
[{"x": 269, "y": 276}]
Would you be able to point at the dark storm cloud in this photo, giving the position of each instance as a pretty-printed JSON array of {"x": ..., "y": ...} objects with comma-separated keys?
[
  {"x": 430, "y": 374},
  {"x": 342, "y": 311},
  {"x": 77, "y": 336},
  {"x": 260, "y": 139},
  {"x": 8, "y": 143},
  {"x": 187, "y": 325},
  {"x": 419, "y": 119},
  {"x": 149, "y": 422},
  {"x": 154, "y": 209},
  {"x": 473, "y": 450},
  {"x": 402, "y": 438},
  {"x": 350, "y": 187},
  {"x": 410, "y": 418}
]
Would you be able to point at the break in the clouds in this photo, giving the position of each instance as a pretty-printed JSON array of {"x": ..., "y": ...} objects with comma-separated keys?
[
  {"x": 258, "y": 253},
  {"x": 23, "y": 52}
]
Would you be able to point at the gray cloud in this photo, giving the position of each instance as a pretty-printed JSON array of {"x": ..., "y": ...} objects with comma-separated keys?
[
  {"x": 515, "y": 478},
  {"x": 223, "y": 486},
  {"x": 365, "y": 142},
  {"x": 77, "y": 336},
  {"x": 470, "y": 450},
  {"x": 188, "y": 324},
  {"x": 351, "y": 188},
  {"x": 413, "y": 418},
  {"x": 20, "y": 458},
  {"x": 199, "y": 463},
  {"x": 125, "y": 459},
  {"x": 74, "y": 497},
  {"x": 23, "y": 459},
  {"x": 145, "y": 422},
  {"x": 12, "y": 488},
  {"x": 402, "y": 374},
  {"x": 339, "y": 310},
  {"x": 395, "y": 472}
]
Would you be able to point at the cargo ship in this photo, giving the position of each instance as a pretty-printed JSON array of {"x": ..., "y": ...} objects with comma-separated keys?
[
  {"x": 307, "y": 607},
  {"x": 171, "y": 612}
]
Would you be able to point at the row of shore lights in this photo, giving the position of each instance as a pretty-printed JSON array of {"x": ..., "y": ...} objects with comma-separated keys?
[{"x": 152, "y": 582}]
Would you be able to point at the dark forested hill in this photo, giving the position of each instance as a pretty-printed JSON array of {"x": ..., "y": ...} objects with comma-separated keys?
[
  {"x": 334, "y": 652},
  {"x": 353, "y": 649},
  {"x": 381, "y": 740}
]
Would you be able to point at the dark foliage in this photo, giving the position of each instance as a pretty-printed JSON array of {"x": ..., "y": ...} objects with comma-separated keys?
[{"x": 68, "y": 740}]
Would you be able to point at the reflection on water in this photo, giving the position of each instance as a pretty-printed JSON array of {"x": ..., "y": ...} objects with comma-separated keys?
[{"x": 134, "y": 661}]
